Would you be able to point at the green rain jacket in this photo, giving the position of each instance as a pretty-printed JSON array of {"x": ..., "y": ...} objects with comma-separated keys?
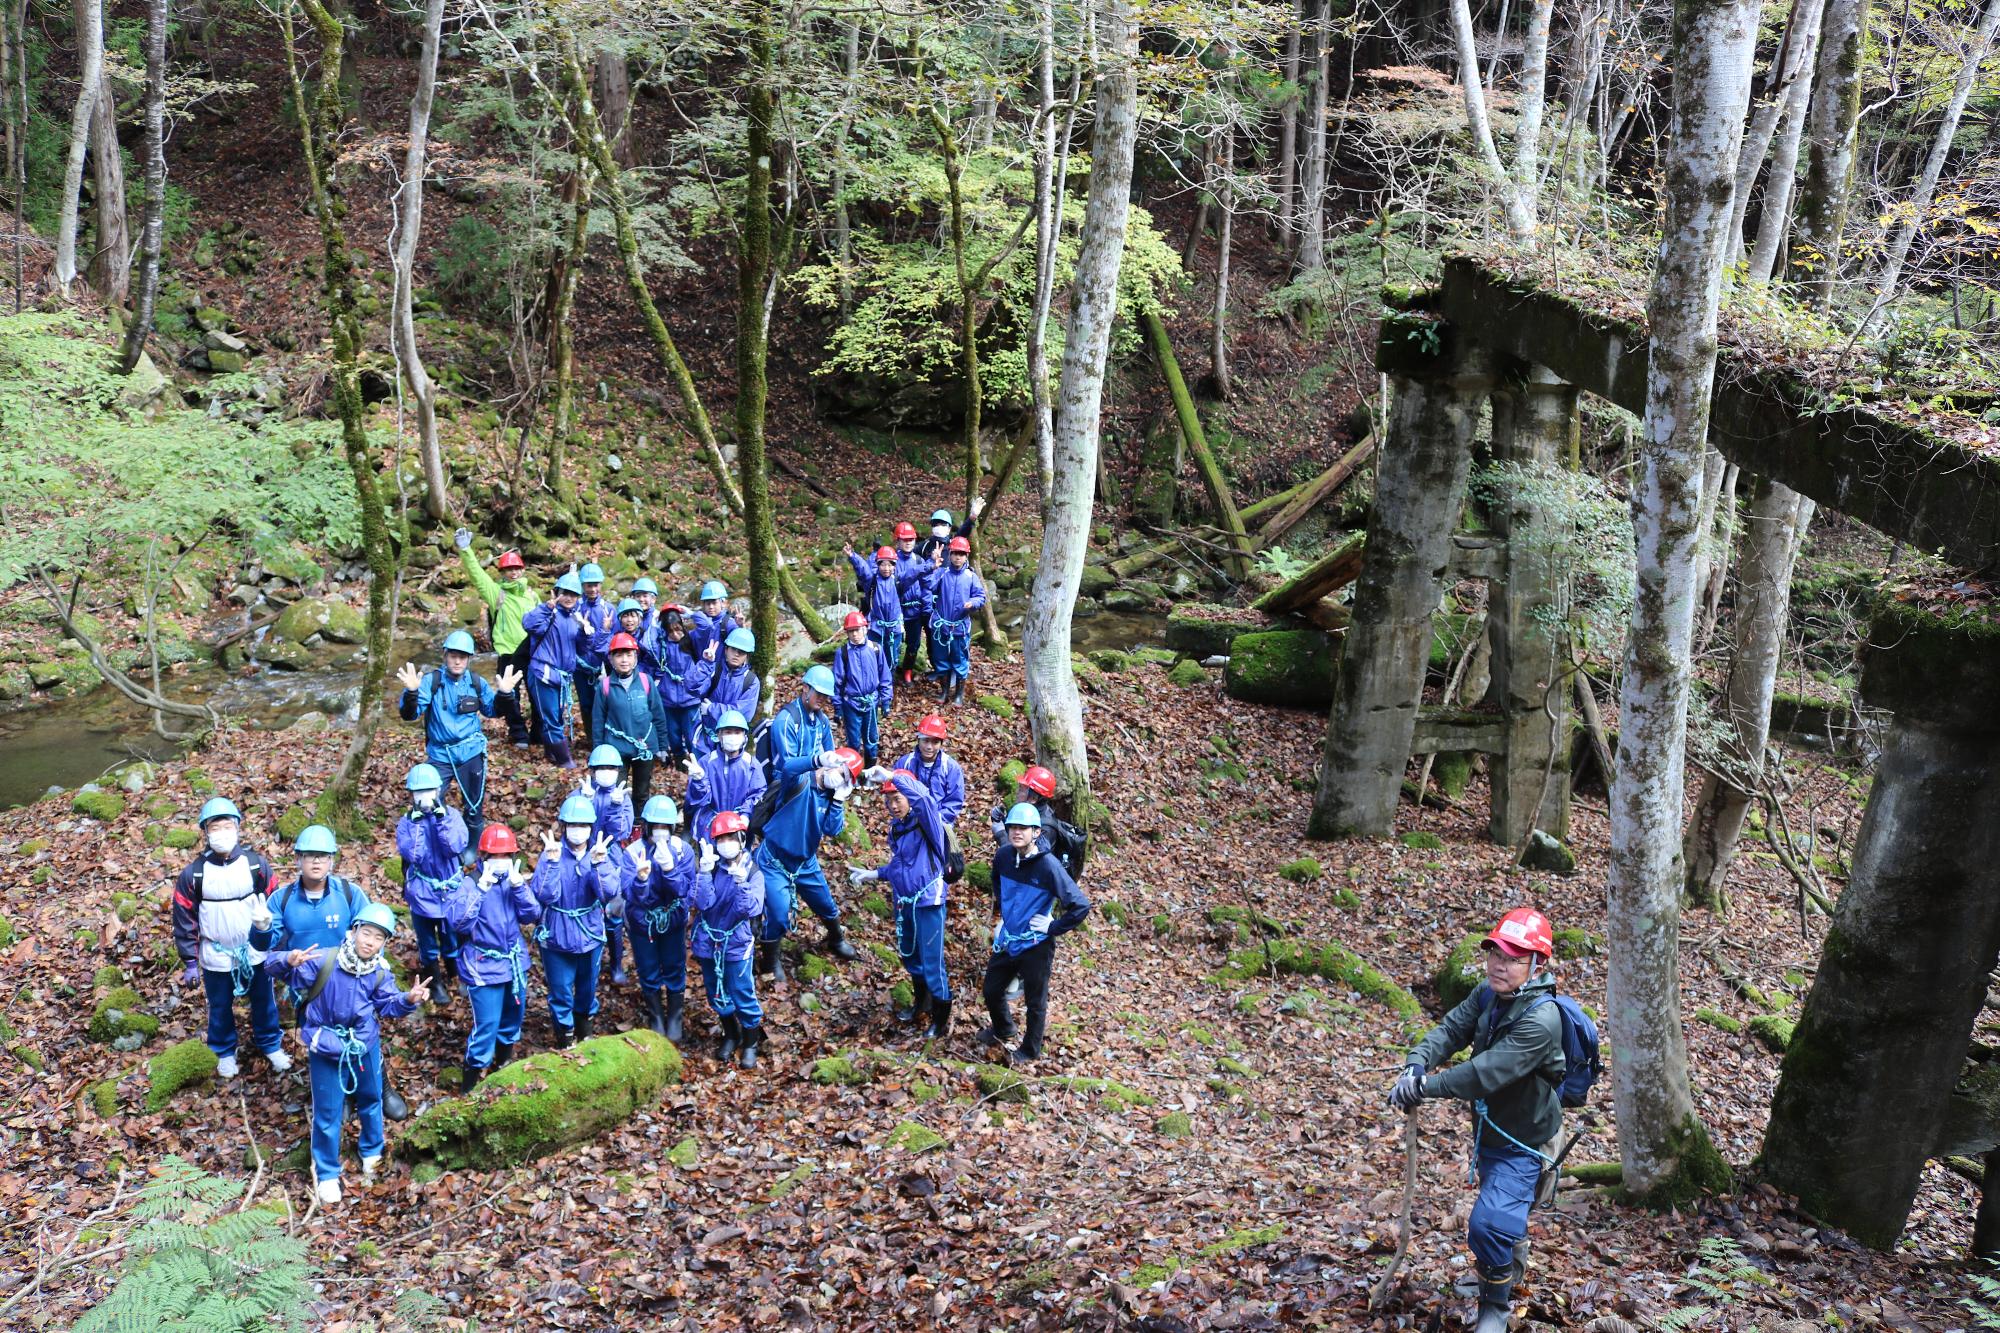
[
  {"x": 1516, "y": 1076},
  {"x": 506, "y": 601}
]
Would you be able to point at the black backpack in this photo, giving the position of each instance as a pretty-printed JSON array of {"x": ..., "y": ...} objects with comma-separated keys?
[{"x": 767, "y": 805}]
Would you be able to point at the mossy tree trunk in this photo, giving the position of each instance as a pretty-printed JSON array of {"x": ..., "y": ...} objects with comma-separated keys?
[
  {"x": 1197, "y": 443},
  {"x": 409, "y": 230},
  {"x": 320, "y": 121},
  {"x": 1666, "y": 1152},
  {"x": 1830, "y": 124},
  {"x": 562, "y": 344},
  {"x": 753, "y": 271},
  {"x": 140, "y": 327}
]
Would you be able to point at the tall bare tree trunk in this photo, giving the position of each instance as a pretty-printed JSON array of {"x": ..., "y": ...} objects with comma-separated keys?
[
  {"x": 1666, "y": 1152},
  {"x": 140, "y": 327},
  {"x": 111, "y": 262},
  {"x": 1793, "y": 60},
  {"x": 1530, "y": 101},
  {"x": 843, "y": 224},
  {"x": 1055, "y": 712},
  {"x": 1218, "y": 346},
  {"x": 1916, "y": 210},
  {"x": 1774, "y": 222},
  {"x": 562, "y": 347},
  {"x": 753, "y": 271},
  {"x": 1312, "y": 175},
  {"x": 1773, "y": 530},
  {"x": 90, "y": 86},
  {"x": 1051, "y": 185},
  {"x": 409, "y": 227},
  {"x": 611, "y": 85},
  {"x": 1516, "y": 207},
  {"x": 1286, "y": 212},
  {"x": 1830, "y": 124}
]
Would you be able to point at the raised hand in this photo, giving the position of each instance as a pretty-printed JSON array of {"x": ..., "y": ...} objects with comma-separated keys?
[
  {"x": 298, "y": 956},
  {"x": 551, "y": 844},
  {"x": 707, "y": 862},
  {"x": 462, "y": 539},
  {"x": 508, "y": 680},
  {"x": 622, "y": 792},
  {"x": 600, "y": 849},
  {"x": 978, "y": 505},
  {"x": 708, "y": 653},
  {"x": 693, "y": 767},
  {"x": 641, "y": 867},
  {"x": 487, "y": 879},
  {"x": 409, "y": 675},
  {"x": 421, "y": 992}
]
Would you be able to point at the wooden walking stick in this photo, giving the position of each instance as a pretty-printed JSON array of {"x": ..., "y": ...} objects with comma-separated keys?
[{"x": 1381, "y": 1291}]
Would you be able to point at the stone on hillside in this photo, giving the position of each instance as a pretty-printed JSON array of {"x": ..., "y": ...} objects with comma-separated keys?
[
  {"x": 795, "y": 646},
  {"x": 208, "y": 318},
  {"x": 177, "y": 1067},
  {"x": 145, "y": 386},
  {"x": 1294, "y": 667},
  {"x": 99, "y": 804},
  {"x": 1097, "y": 580},
  {"x": 1548, "y": 854},
  {"x": 332, "y": 620},
  {"x": 547, "y": 1101},
  {"x": 218, "y": 340},
  {"x": 285, "y": 559},
  {"x": 1205, "y": 629},
  {"x": 1460, "y": 973},
  {"x": 1126, "y": 599},
  {"x": 225, "y": 363}
]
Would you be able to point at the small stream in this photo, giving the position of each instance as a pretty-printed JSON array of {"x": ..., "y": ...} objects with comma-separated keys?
[{"x": 64, "y": 743}]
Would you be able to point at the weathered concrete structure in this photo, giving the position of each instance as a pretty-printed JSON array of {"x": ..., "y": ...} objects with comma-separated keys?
[{"x": 1866, "y": 1092}]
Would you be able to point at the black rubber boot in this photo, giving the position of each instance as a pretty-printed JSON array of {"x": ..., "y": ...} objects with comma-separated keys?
[
  {"x": 994, "y": 1034},
  {"x": 655, "y": 1017},
  {"x": 565, "y": 1036},
  {"x": 732, "y": 1037},
  {"x": 470, "y": 1077},
  {"x": 503, "y": 1054},
  {"x": 940, "y": 1019},
  {"x": 393, "y": 1105},
  {"x": 766, "y": 957},
  {"x": 837, "y": 942},
  {"x": 920, "y": 1002},
  {"x": 673, "y": 1028},
  {"x": 1496, "y": 1301},
  {"x": 752, "y": 1039},
  {"x": 582, "y": 1029}
]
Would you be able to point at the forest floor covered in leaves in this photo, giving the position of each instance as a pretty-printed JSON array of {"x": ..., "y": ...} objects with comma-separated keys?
[{"x": 1240, "y": 1169}]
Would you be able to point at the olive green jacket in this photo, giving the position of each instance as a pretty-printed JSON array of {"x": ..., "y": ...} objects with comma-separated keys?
[{"x": 1516, "y": 1076}]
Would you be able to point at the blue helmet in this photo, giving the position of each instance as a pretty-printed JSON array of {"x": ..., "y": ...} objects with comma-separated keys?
[
  {"x": 379, "y": 916},
  {"x": 590, "y": 573},
  {"x": 1024, "y": 815},
  {"x": 642, "y": 584},
  {"x": 570, "y": 583},
  {"x": 605, "y": 756},
  {"x": 217, "y": 807},
  {"x": 713, "y": 591},
  {"x": 733, "y": 720},
  {"x": 316, "y": 838},
  {"x": 661, "y": 810},
  {"x": 577, "y": 809},
  {"x": 423, "y": 778},
  {"x": 630, "y": 604},
  {"x": 820, "y": 680},
  {"x": 741, "y": 639},
  {"x": 941, "y": 516},
  {"x": 458, "y": 641}
]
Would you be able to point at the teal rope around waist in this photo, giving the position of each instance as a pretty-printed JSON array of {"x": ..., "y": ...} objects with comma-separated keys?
[
  {"x": 1482, "y": 1122},
  {"x": 580, "y": 915},
  {"x": 241, "y": 970},
  {"x": 517, "y": 964},
  {"x": 353, "y": 1058}
]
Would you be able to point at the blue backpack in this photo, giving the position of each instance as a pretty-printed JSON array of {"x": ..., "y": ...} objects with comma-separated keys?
[{"x": 1582, "y": 1063}]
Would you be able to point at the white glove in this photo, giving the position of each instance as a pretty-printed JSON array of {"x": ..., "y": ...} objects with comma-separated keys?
[
  {"x": 614, "y": 908},
  {"x": 999, "y": 830},
  {"x": 486, "y": 878},
  {"x": 707, "y": 859},
  {"x": 859, "y": 875},
  {"x": 739, "y": 869},
  {"x": 260, "y": 912},
  {"x": 462, "y": 538},
  {"x": 828, "y": 759},
  {"x": 878, "y": 774},
  {"x": 1040, "y": 923}
]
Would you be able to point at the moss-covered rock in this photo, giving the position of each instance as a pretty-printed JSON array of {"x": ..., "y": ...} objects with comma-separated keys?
[
  {"x": 1422, "y": 840},
  {"x": 1247, "y": 918},
  {"x": 1304, "y": 870},
  {"x": 1174, "y": 1125},
  {"x": 392, "y": 868},
  {"x": 103, "y": 1097},
  {"x": 1452, "y": 771},
  {"x": 1113, "y": 912},
  {"x": 1008, "y": 779},
  {"x": 1187, "y": 673},
  {"x": 1574, "y": 942},
  {"x": 1292, "y": 667},
  {"x": 686, "y": 1154},
  {"x": 1715, "y": 1018},
  {"x": 1335, "y": 962},
  {"x": 1773, "y": 1030},
  {"x": 877, "y": 905},
  {"x": 1460, "y": 973},
  {"x": 98, "y": 803},
  {"x": 117, "y": 1015},
  {"x": 545, "y": 1102},
  {"x": 336, "y": 622},
  {"x": 915, "y": 1138},
  {"x": 1204, "y": 629},
  {"x": 180, "y": 1065},
  {"x": 979, "y": 874},
  {"x": 182, "y": 839},
  {"x": 293, "y": 822},
  {"x": 996, "y": 705},
  {"x": 843, "y": 1071},
  {"x": 814, "y": 969},
  {"x": 1547, "y": 853},
  {"x": 1000, "y": 1084}
]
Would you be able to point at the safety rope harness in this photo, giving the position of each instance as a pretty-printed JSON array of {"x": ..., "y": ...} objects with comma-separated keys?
[{"x": 353, "y": 1058}]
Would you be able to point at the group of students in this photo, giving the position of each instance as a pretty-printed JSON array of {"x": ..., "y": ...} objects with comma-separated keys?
[{"x": 716, "y": 877}]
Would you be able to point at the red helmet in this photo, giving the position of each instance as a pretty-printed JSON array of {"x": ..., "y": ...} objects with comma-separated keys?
[
  {"x": 498, "y": 840},
  {"x": 889, "y": 552},
  {"x": 932, "y": 726},
  {"x": 1040, "y": 781},
  {"x": 959, "y": 544},
  {"x": 854, "y": 620},
  {"x": 1523, "y": 930},
  {"x": 890, "y": 785},
  {"x": 727, "y": 822},
  {"x": 906, "y": 532},
  {"x": 510, "y": 560},
  {"x": 852, "y": 758},
  {"x": 622, "y": 642}
]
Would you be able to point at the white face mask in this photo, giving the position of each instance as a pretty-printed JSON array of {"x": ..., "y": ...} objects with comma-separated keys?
[
  {"x": 424, "y": 799},
  {"x": 727, "y": 848},
  {"x": 731, "y": 742},
  {"x": 940, "y": 529},
  {"x": 222, "y": 840},
  {"x": 576, "y": 834},
  {"x": 663, "y": 837},
  {"x": 606, "y": 777},
  {"x": 500, "y": 867}
]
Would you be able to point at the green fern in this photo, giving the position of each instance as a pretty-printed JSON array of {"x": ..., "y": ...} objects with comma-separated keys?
[
  {"x": 195, "y": 1266},
  {"x": 1985, "y": 1311}
]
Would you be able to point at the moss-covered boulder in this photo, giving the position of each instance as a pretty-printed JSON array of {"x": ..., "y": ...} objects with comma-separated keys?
[
  {"x": 1204, "y": 629},
  {"x": 1332, "y": 960},
  {"x": 117, "y": 1015},
  {"x": 1547, "y": 853},
  {"x": 1009, "y": 777},
  {"x": 98, "y": 803},
  {"x": 1773, "y": 1030},
  {"x": 545, "y": 1102},
  {"x": 1293, "y": 667},
  {"x": 996, "y": 705},
  {"x": 1304, "y": 870},
  {"x": 1187, "y": 673},
  {"x": 1460, "y": 973},
  {"x": 180, "y": 1065}
]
